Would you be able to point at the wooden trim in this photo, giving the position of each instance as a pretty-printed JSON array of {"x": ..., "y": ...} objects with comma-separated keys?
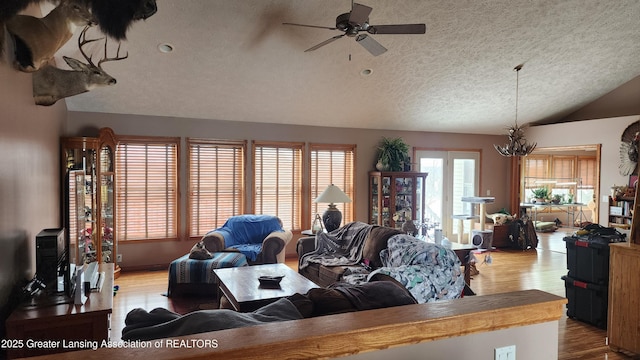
[
  {"x": 515, "y": 186},
  {"x": 358, "y": 332}
]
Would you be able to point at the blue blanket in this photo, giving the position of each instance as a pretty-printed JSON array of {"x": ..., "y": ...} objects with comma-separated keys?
[{"x": 246, "y": 232}]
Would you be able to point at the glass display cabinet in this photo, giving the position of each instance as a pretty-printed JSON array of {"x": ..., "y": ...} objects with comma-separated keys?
[
  {"x": 88, "y": 198},
  {"x": 396, "y": 197}
]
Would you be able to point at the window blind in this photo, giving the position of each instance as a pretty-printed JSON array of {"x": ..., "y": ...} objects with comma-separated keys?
[
  {"x": 278, "y": 181},
  {"x": 332, "y": 164},
  {"x": 216, "y": 183},
  {"x": 147, "y": 188},
  {"x": 587, "y": 171},
  {"x": 563, "y": 167}
]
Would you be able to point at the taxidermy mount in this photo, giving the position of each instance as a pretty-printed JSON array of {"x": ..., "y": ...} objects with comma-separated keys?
[{"x": 114, "y": 17}]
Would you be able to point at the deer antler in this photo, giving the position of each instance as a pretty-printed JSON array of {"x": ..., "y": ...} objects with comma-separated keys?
[
  {"x": 82, "y": 41},
  {"x": 106, "y": 59}
]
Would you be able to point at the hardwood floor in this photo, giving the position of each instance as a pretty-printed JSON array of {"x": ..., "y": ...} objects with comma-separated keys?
[{"x": 509, "y": 270}]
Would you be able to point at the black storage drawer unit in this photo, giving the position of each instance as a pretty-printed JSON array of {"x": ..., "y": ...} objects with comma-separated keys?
[
  {"x": 588, "y": 259},
  {"x": 587, "y": 302}
]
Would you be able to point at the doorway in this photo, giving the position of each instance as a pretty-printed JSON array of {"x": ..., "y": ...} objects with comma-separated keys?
[
  {"x": 581, "y": 163},
  {"x": 452, "y": 175}
]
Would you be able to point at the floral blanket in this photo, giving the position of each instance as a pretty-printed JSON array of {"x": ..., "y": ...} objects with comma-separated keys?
[{"x": 430, "y": 272}]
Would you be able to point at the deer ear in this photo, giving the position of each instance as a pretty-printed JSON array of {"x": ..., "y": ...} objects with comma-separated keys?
[{"x": 75, "y": 64}]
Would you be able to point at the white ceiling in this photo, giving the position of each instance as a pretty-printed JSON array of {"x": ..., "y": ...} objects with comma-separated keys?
[{"x": 234, "y": 60}]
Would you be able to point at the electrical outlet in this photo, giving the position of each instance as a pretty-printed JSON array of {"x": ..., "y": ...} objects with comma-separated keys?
[
  {"x": 119, "y": 258},
  {"x": 488, "y": 192},
  {"x": 505, "y": 353}
]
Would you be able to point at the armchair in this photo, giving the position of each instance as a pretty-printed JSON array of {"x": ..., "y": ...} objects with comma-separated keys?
[{"x": 260, "y": 238}]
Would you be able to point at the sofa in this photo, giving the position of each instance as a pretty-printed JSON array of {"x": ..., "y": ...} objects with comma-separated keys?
[
  {"x": 359, "y": 253},
  {"x": 374, "y": 241}
]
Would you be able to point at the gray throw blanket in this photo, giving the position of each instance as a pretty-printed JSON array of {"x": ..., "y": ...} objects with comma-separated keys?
[
  {"x": 162, "y": 323},
  {"x": 339, "y": 247}
]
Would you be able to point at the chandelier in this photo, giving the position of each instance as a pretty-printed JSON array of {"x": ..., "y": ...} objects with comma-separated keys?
[{"x": 517, "y": 145}]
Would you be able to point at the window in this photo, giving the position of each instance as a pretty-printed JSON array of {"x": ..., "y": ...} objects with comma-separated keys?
[
  {"x": 216, "y": 183},
  {"x": 332, "y": 164},
  {"x": 536, "y": 166},
  {"x": 566, "y": 170},
  {"x": 147, "y": 188},
  {"x": 278, "y": 181},
  {"x": 588, "y": 173},
  {"x": 563, "y": 167}
]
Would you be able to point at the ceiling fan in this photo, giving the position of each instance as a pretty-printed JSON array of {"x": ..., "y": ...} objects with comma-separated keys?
[{"x": 357, "y": 21}]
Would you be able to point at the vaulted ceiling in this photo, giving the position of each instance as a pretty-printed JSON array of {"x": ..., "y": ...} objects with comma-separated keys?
[{"x": 234, "y": 60}]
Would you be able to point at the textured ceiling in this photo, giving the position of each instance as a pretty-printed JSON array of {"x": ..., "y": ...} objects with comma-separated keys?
[{"x": 234, "y": 60}]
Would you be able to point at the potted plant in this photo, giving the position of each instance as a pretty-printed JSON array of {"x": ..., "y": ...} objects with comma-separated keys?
[
  {"x": 393, "y": 153},
  {"x": 557, "y": 198},
  {"x": 540, "y": 194}
]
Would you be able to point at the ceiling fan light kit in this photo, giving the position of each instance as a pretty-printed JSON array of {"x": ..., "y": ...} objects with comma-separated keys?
[
  {"x": 356, "y": 21},
  {"x": 517, "y": 145}
]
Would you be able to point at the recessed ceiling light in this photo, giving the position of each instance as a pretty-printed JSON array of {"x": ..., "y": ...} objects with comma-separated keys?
[
  {"x": 366, "y": 72},
  {"x": 165, "y": 48}
]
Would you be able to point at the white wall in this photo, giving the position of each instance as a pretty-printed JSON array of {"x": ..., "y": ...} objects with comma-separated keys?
[{"x": 533, "y": 342}]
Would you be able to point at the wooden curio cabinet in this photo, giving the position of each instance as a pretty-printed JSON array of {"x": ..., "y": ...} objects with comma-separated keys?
[
  {"x": 88, "y": 198},
  {"x": 396, "y": 197}
]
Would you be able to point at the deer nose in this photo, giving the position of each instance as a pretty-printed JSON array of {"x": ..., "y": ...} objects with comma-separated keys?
[{"x": 112, "y": 82}]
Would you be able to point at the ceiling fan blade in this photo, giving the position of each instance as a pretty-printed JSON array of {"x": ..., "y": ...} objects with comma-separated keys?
[
  {"x": 325, "y": 43},
  {"x": 312, "y": 26},
  {"x": 398, "y": 29},
  {"x": 359, "y": 14},
  {"x": 371, "y": 45}
]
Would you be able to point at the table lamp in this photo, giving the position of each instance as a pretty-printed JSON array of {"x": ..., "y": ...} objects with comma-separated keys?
[{"x": 332, "y": 217}]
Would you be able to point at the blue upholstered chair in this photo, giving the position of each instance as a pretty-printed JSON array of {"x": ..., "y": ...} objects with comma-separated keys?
[
  {"x": 243, "y": 240},
  {"x": 260, "y": 238}
]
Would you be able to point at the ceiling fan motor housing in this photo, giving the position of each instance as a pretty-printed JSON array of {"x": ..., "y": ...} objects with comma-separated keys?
[{"x": 343, "y": 24}]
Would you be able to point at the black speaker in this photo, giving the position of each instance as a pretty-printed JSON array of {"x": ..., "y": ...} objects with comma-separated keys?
[{"x": 50, "y": 254}]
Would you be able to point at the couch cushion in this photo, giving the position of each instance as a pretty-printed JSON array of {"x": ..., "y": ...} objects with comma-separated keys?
[
  {"x": 251, "y": 251},
  {"x": 331, "y": 273},
  {"x": 377, "y": 241}
]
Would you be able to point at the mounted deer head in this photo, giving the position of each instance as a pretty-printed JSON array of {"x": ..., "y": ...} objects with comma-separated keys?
[
  {"x": 51, "y": 84},
  {"x": 38, "y": 39}
]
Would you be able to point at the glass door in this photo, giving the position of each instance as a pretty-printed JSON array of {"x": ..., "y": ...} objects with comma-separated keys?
[{"x": 452, "y": 175}]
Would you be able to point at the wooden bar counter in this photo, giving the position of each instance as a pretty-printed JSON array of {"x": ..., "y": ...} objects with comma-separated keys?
[{"x": 357, "y": 332}]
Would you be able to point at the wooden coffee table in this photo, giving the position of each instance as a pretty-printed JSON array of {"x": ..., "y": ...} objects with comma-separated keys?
[{"x": 241, "y": 287}]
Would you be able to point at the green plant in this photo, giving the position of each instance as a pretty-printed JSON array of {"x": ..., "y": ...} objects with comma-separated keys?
[
  {"x": 393, "y": 153},
  {"x": 541, "y": 193},
  {"x": 557, "y": 198}
]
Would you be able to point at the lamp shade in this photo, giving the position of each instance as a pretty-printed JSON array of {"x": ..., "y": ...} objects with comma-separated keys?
[
  {"x": 332, "y": 217},
  {"x": 332, "y": 195}
]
